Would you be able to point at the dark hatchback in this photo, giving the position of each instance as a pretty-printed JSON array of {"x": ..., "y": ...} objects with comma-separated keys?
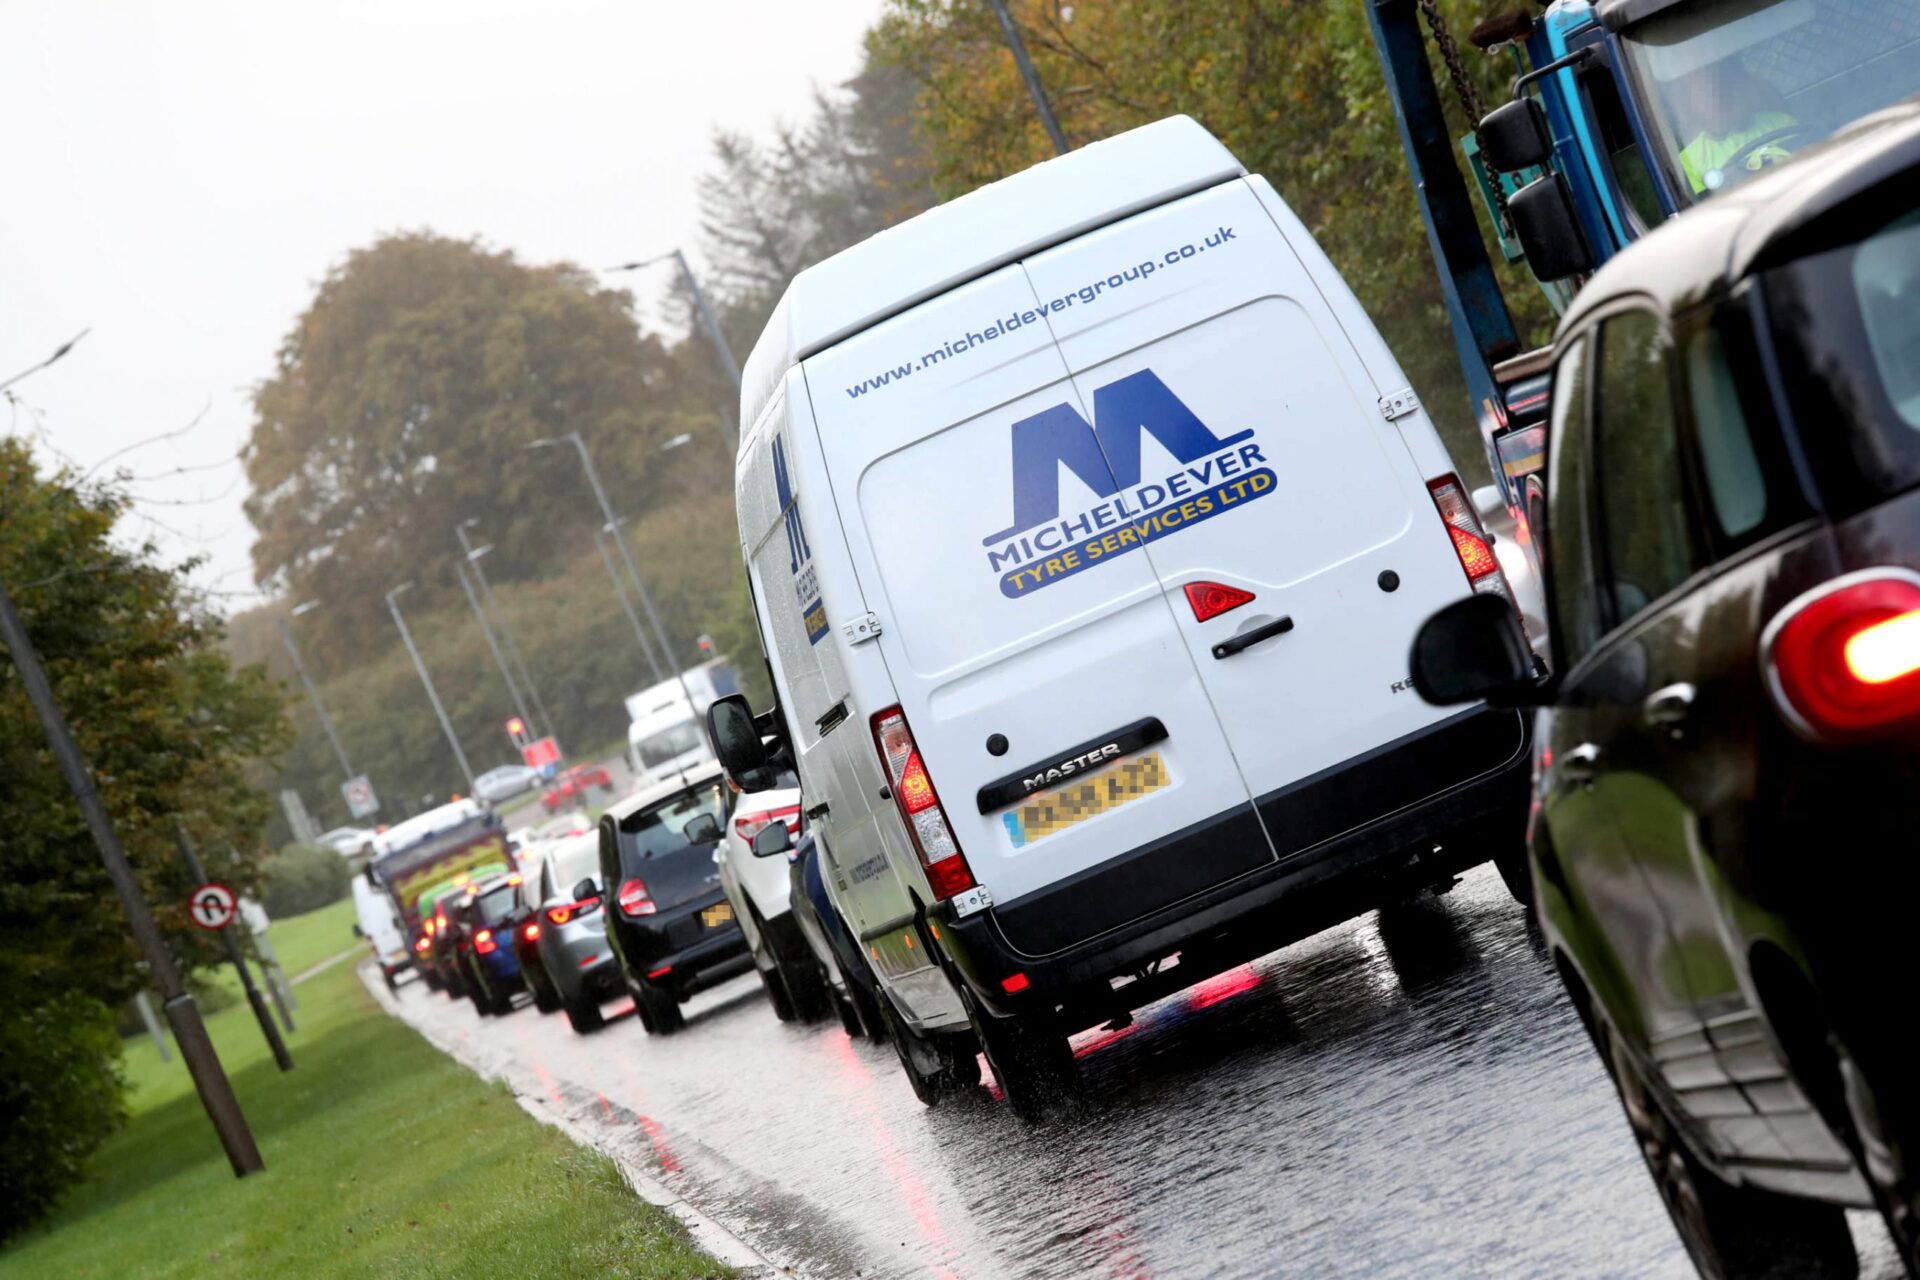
[
  {"x": 1728, "y": 764},
  {"x": 668, "y": 919},
  {"x": 484, "y": 927}
]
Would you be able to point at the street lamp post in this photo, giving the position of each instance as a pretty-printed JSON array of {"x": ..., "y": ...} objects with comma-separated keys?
[
  {"x": 433, "y": 696},
  {"x": 626, "y": 606},
  {"x": 493, "y": 646},
  {"x": 313, "y": 694},
  {"x": 626, "y": 552},
  {"x": 507, "y": 641},
  {"x": 707, "y": 321},
  {"x": 1035, "y": 91}
]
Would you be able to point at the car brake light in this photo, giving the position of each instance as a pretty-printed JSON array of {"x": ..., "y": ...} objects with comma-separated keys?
[
  {"x": 483, "y": 942},
  {"x": 634, "y": 900},
  {"x": 749, "y": 825},
  {"x": 560, "y": 915},
  {"x": 568, "y": 910},
  {"x": 531, "y": 932},
  {"x": 1843, "y": 661},
  {"x": 1470, "y": 541},
  {"x": 422, "y": 943},
  {"x": 1211, "y": 599},
  {"x": 946, "y": 866}
]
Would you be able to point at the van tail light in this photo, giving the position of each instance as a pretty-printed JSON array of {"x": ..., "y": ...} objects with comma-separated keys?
[
  {"x": 913, "y": 792},
  {"x": 1211, "y": 599},
  {"x": 634, "y": 899},
  {"x": 1470, "y": 541},
  {"x": 483, "y": 942},
  {"x": 749, "y": 825},
  {"x": 1843, "y": 661}
]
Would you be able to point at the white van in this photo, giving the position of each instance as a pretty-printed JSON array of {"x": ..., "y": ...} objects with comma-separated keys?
[
  {"x": 380, "y": 926},
  {"x": 664, "y": 733},
  {"x": 1089, "y": 523}
]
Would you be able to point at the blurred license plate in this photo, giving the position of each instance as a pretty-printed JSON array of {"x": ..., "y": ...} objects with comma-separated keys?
[
  {"x": 1050, "y": 812},
  {"x": 717, "y": 914}
]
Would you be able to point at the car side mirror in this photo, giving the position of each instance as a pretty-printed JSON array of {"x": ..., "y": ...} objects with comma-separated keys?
[
  {"x": 1545, "y": 224},
  {"x": 702, "y": 828},
  {"x": 772, "y": 840},
  {"x": 367, "y": 871},
  {"x": 1474, "y": 650},
  {"x": 736, "y": 738},
  {"x": 1515, "y": 137},
  {"x": 587, "y": 890}
]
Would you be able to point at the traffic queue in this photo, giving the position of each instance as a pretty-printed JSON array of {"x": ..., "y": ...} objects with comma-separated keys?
[{"x": 1126, "y": 620}]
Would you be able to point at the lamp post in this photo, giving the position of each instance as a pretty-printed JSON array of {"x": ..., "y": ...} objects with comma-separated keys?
[
  {"x": 500, "y": 622},
  {"x": 626, "y": 552},
  {"x": 433, "y": 696},
  {"x": 626, "y": 606},
  {"x": 493, "y": 645},
  {"x": 313, "y": 694},
  {"x": 707, "y": 321},
  {"x": 1035, "y": 91}
]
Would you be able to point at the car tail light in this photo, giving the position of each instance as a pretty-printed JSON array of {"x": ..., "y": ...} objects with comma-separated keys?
[
  {"x": 749, "y": 825},
  {"x": 1470, "y": 541},
  {"x": 483, "y": 942},
  {"x": 531, "y": 932},
  {"x": 1843, "y": 661},
  {"x": 913, "y": 792},
  {"x": 1211, "y": 599},
  {"x": 634, "y": 900},
  {"x": 568, "y": 910},
  {"x": 422, "y": 943}
]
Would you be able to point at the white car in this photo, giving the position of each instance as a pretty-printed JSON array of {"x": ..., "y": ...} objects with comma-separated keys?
[
  {"x": 347, "y": 841},
  {"x": 760, "y": 890},
  {"x": 1089, "y": 522},
  {"x": 496, "y": 786}
]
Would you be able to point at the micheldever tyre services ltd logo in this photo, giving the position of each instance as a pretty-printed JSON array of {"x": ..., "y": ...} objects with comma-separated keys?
[{"x": 1216, "y": 475}]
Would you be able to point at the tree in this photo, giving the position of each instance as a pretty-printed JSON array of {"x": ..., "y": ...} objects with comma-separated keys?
[{"x": 168, "y": 726}]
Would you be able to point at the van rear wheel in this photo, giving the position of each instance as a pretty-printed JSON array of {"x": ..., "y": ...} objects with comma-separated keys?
[
  {"x": 936, "y": 1065},
  {"x": 1031, "y": 1059}
]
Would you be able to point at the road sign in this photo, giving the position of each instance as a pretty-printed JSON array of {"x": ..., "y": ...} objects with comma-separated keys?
[
  {"x": 543, "y": 752},
  {"x": 361, "y": 801},
  {"x": 213, "y": 906}
]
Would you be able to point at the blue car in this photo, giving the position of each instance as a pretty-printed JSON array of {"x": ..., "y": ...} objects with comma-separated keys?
[{"x": 483, "y": 946}]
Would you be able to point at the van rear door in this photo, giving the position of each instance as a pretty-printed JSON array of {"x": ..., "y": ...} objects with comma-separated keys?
[
  {"x": 1246, "y": 436},
  {"x": 1021, "y": 669}
]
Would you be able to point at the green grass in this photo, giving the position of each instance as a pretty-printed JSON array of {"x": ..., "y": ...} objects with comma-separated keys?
[{"x": 383, "y": 1158}]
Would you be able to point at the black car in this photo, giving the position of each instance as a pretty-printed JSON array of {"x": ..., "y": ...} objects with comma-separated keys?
[
  {"x": 668, "y": 920},
  {"x": 1728, "y": 772}
]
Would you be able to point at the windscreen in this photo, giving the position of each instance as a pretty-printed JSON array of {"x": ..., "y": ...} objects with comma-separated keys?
[
  {"x": 668, "y": 744},
  {"x": 665, "y": 828},
  {"x": 1737, "y": 85},
  {"x": 496, "y": 905}
]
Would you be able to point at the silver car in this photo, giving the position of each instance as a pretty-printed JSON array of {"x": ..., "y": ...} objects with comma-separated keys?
[
  {"x": 573, "y": 931},
  {"x": 504, "y": 783}
]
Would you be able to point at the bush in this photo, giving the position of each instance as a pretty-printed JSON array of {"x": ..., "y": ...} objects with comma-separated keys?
[
  {"x": 59, "y": 1097},
  {"x": 302, "y": 878}
]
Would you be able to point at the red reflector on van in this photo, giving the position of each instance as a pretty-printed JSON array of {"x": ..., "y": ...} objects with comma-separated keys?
[
  {"x": 1211, "y": 599},
  {"x": 1019, "y": 982}
]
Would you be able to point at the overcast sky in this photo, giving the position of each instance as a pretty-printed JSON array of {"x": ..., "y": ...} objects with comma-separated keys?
[{"x": 179, "y": 176}]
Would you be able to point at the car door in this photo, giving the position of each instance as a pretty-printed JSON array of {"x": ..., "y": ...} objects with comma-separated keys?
[
  {"x": 1605, "y": 909},
  {"x": 1234, "y": 410}
]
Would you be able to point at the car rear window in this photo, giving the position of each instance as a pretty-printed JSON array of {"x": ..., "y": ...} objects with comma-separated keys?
[
  {"x": 496, "y": 905},
  {"x": 669, "y": 744},
  {"x": 573, "y": 862},
  {"x": 663, "y": 828}
]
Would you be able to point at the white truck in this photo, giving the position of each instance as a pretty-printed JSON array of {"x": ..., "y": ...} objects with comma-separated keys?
[
  {"x": 667, "y": 732},
  {"x": 1089, "y": 522}
]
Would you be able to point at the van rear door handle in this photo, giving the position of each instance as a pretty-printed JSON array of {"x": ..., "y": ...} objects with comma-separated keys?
[
  {"x": 1247, "y": 639},
  {"x": 1577, "y": 767},
  {"x": 1668, "y": 708}
]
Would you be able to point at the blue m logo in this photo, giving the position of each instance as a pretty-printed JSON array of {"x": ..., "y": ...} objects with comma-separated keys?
[
  {"x": 1104, "y": 455},
  {"x": 783, "y": 489}
]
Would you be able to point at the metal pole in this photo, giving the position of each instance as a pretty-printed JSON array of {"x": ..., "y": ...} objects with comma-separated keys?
[
  {"x": 712, "y": 326},
  {"x": 626, "y": 606},
  {"x": 507, "y": 641},
  {"x": 493, "y": 646},
  {"x": 433, "y": 696},
  {"x": 1032, "y": 77},
  {"x": 313, "y": 696},
  {"x": 145, "y": 1006},
  {"x": 276, "y": 978},
  {"x": 626, "y": 555},
  {"x": 203, "y": 1063},
  {"x": 254, "y": 998}
]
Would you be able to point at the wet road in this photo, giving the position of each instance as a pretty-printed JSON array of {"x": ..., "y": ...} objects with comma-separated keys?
[{"x": 1400, "y": 1096}]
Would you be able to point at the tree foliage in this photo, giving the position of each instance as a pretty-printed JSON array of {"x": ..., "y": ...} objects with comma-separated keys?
[{"x": 168, "y": 727}]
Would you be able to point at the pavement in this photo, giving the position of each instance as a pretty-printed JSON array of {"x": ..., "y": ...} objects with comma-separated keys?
[{"x": 1406, "y": 1095}]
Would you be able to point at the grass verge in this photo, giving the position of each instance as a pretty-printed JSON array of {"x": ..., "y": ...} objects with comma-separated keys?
[{"x": 384, "y": 1158}]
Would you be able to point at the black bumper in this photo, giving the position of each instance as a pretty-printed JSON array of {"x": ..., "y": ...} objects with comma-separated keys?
[
  {"x": 693, "y": 956},
  {"x": 1351, "y": 838}
]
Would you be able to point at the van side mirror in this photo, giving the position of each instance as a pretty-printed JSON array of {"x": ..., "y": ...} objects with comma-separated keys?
[
  {"x": 1545, "y": 224},
  {"x": 1514, "y": 137},
  {"x": 358, "y": 932},
  {"x": 771, "y": 840},
  {"x": 587, "y": 890},
  {"x": 1474, "y": 650},
  {"x": 736, "y": 738}
]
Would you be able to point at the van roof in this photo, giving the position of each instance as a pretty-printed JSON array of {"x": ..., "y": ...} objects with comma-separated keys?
[{"x": 975, "y": 233}]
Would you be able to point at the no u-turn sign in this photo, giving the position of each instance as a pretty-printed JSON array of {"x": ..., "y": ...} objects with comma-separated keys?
[{"x": 213, "y": 905}]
